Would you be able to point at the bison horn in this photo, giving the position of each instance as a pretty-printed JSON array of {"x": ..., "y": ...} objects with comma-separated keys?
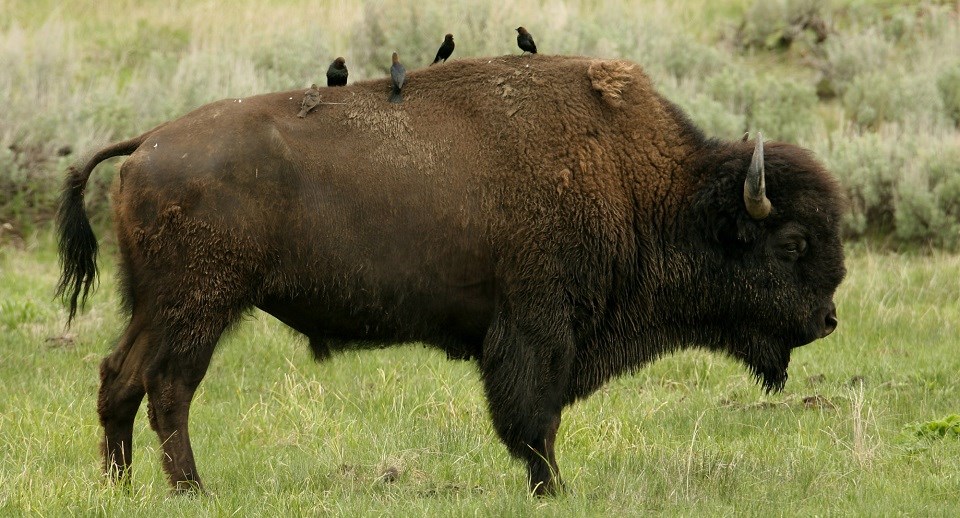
[{"x": 755, "y": 188}]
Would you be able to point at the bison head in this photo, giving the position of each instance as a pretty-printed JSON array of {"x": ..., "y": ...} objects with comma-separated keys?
[{"x": 768, "y": 255}]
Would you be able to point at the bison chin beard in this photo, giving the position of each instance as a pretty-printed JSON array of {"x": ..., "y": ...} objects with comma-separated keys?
[
  {"x": 772, "y": 378},
  {"x": 769, "y": 367}
]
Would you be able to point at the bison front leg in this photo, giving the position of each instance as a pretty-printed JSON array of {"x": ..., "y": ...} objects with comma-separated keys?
[{"x": 525, "y": 374}]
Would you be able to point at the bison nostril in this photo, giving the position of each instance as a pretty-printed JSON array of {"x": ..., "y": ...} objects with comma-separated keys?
[{"x": 830, "y": 322}]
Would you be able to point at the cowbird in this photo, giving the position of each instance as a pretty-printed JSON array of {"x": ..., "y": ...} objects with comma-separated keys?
[
  {"x": 397, "y": 74},
  {"x": 311, "y": 98},
  {"x": 446, "y": 48},
  {"x": 525, "y": 41},
  {"x": 337, "y": 73}
]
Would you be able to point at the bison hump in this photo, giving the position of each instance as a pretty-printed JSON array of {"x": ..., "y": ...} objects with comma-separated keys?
[{"x": 610, "y": 79}]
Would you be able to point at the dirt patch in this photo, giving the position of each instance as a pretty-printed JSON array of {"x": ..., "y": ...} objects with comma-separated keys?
[
  {"x": 818, "y": 402},
  {"x": 451, "y": 490},
  {"x": 64, "y": 341}
]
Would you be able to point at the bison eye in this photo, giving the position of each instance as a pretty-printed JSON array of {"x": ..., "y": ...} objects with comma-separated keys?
[{"x": 792, "y": 248}]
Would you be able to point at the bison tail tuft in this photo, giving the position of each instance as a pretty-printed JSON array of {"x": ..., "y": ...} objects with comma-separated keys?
[{"x": 77, "y": 244}]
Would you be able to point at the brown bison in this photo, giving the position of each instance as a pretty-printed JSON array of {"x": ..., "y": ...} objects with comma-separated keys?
[{"x": 554, "y": 219}]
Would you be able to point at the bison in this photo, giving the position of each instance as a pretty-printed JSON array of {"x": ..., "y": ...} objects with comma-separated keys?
[{"x": 555, "y": 220}]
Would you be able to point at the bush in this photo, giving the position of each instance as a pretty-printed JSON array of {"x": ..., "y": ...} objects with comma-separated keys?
[
  {"x": 28, "y": 189},
  {"x": 949, "y": 86},
  {"x": 848, "y": 57},
  {"x": 780, "y": 107},
  {"x": 920, "y": 219},
  {"x": 868, "y": 166},
  {"x": 948, "y": 427},
  {"x": 777, "y": 24},
  {"x": 684, "y": 57},
  {"x": 713, "y": 118},
  {"x": 784, "y": 108},
  {"x": 900, "y": 188},
  {"x": 875, "y": 98},
  {"x": 928, "y": 204}
]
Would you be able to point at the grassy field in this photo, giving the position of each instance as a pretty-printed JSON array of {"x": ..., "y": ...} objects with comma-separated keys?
[{"x": 277, "y": 434}]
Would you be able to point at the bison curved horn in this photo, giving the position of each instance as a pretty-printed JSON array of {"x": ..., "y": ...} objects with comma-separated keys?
[{"x": 755, "y": 187}]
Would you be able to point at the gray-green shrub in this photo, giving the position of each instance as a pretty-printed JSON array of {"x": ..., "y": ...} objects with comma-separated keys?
[
  {"x": 80, "y": 77},
  {"x": 948, "y": 83}
]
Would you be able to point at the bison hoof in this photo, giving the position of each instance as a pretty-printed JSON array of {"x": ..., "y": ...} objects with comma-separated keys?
[
  {"x": 188, "y": 487},
  {"x": 547, "y": 489}
]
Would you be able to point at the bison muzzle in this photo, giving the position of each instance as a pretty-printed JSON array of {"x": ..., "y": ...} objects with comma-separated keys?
[{"x": 556, "y": 220}]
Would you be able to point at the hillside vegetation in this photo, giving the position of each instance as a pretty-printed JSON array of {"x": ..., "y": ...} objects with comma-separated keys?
[{"x": 872, "y": 86}]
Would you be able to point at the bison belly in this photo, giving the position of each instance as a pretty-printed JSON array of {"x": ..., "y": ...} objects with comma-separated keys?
[{"x": 350, "y": 271}]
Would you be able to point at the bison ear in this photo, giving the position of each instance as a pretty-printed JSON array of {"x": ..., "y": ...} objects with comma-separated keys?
[
  {"x": 723, "y": 230},
  {"x": 732, "y": 233}
]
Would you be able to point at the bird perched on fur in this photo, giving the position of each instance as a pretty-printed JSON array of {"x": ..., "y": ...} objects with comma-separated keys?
[
  {"x": 446, "y": 48},
  {"x": 311, "y": 98},
  {"x": 398, "y": 74},
  {"x": 337, "y": 73},
  {"x": 525, "y": 41}
]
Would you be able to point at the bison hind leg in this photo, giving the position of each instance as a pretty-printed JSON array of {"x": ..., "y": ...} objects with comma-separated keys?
[
  {"x": 175, "y": 373},
  {"x": 121, "y": 392}
]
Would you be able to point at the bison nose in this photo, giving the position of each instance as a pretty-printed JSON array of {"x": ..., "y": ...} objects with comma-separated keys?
[{"x": 829, "y": 321}]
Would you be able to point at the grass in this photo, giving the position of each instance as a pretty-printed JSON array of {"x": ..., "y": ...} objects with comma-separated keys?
[{"x": 276, "y": 433}]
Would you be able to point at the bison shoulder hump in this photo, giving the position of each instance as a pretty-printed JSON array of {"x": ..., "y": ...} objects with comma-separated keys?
[{"x": 611, "y": 78}]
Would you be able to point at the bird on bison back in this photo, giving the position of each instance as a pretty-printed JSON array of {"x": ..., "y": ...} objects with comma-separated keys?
[
  {"x": 445, "y": 50},
  {"x": 398, "y": 75},
  {"x": 337, "y": 73},
  {"x": 556, "y": 220},
  {"x": 525, "y": 41},
  {"x": 311, "y": 98}
]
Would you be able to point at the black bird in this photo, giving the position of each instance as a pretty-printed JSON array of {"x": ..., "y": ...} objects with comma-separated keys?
[
  {"x": 446, "y": 48},
  {"x": 525, "y": 41},
  {"x": 337, "y": 73},
  {"x": 311, "y": 98},
  {"x": 397, "y": 74}
]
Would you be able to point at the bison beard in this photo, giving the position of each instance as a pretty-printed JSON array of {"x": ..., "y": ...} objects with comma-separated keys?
[
  {"x": 554, "y": 219},
  {"x": 771, "y": 370}
]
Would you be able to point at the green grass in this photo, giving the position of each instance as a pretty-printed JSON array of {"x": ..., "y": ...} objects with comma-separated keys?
[{"x": 277, "y": 434}]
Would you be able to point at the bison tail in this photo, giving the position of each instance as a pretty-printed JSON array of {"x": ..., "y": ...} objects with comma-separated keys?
[
  {"x": 77, "y": 244},
  {"x": 76, "y": 241}
]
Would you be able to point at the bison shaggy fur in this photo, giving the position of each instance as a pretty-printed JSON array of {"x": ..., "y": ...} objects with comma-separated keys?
[{"x": 554, "y": 219}]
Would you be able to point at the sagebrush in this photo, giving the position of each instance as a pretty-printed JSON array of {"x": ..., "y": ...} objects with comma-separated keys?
[{"x": 873, "y": 88}]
